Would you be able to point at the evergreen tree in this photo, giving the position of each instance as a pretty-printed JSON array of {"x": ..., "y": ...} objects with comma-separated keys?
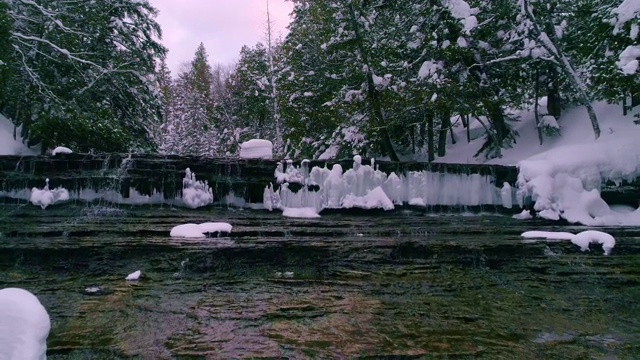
[{"x": 84, "y": 72}]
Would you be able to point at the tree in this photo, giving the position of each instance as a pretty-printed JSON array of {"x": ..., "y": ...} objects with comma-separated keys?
[{"x": 84, "y": 72}]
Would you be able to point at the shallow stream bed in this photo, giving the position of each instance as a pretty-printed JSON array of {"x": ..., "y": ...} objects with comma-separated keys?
[{"x": 402, "y": 284}]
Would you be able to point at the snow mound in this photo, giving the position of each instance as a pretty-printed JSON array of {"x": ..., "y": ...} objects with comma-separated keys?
[
  {"x": 45, "y": 197},
  {"x": 303, "y": 213},
  {"x": 24, "y": 326},
  {"x": 9, "y": 145},
  {"x": 582, "y": 239},
  {"x": 195, "y": 193},
  {"x": 134, "y": 276},
  {"x": 61, "y": 150},
  {"x": 256, "y": 149},
  {"x": 198, "y": 231}
]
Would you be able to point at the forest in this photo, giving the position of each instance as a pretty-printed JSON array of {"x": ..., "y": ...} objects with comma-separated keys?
[{"x": 385, "y": 78}]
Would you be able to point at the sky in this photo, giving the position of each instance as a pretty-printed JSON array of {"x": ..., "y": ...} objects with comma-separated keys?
[{"x": 224, "y": 26}]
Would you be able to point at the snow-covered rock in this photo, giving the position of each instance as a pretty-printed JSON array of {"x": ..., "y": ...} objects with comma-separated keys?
[
  {"x": 134, "y": 276},
  {"x": 198, "y": 231},
  {"x": 24, "y": 326},
  {"x": 256, "y": 149},
  {"x": 61, "y": 150},
  {"x": 582, "y": 239}
]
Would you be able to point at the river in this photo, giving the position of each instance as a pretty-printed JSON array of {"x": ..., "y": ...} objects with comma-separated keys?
[{"x": 403, "y": 284}]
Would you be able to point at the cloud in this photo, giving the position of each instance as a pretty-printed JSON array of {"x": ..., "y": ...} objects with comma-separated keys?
[{"x": 224, "y": 26}]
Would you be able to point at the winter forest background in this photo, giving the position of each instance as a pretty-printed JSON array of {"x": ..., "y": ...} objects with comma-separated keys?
[{"x": 384, "y": 78}]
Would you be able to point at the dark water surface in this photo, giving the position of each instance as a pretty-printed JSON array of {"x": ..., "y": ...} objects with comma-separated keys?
[{"x": 385, "y": 285}]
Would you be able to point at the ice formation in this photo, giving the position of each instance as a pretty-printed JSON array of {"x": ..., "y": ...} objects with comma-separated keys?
[
  {"x": 198, "y": 231},
  {"x": 195, "y": 193},
  {"x": 24, "y": 326},
  {"x": 45, "y": 197},
  {"x": 256, "y": 149},
  {"x": 582, "y": 239},
  {"x": 61, "y": 150},
  {"x": 364, "y": 186},
  {"x": 303, "y": 213}
]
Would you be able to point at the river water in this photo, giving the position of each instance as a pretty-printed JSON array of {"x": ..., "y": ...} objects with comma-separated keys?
[{"x": 403, "y": 284}]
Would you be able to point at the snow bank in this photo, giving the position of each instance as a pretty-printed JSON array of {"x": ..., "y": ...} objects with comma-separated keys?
[
  {"x": 364, "y": 186},
  {"x": 256, "y": 149},
  {"x": 582, "y": 239},
  {"x": 198, "y": 231},
  {"x": 45, "y": 197},
  {"x": 563, "y": 177},
  {"x": 565, "y": 182},
  {"x": 24, "y": 326},
  {"x": 195, "y": 193},
  {"x": 9, "y": 145},
  {"x": 303, "y": 213}
]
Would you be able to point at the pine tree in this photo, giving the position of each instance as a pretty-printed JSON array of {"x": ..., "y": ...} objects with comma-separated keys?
[{"x": 84, "y": 72}]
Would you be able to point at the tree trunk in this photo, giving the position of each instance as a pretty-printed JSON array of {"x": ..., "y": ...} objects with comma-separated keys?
[
  {"x": 467, "y": 125},
  {"x": 535, "y": 105},
  {"x": 412, "y": 134},
  {"x": 554, "y": 102},
  {"x": 635, "y": 99},
  {"x": 565, "y": 66},
  {"x": 377, "y": 117},
  {"x": 430, "y": 137},
  {"x": 445, "y": 124}
]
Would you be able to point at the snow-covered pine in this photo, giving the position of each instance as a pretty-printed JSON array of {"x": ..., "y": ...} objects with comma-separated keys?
[{"x": 71, "y": 83}]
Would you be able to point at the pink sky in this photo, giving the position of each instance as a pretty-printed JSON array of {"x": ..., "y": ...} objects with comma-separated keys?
[{"x": 222, "y": 25}]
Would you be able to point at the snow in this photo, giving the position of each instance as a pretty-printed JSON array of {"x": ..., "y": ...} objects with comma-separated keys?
[
  {"x": 582, "y": 239},
  {"x": 628, "y": 60},
  {"x": 24, "y": 326},
  {"x": 461, "y": 10},
  {"x": 429, "y": 69},
  {"x": 9, "y": 145},
  {"x": 366, "y": 187},
  {"x": 45, "y": 197},
  {"x": 134, "y": 276},
  {"x": 626, "y": 11},
  {"x": 524, "y": 215},
  {"x": 198, "y": 231},
  {"x": 195, "y": 193},
  {"x": 214, "y": 227},
  {"x": 61, "y": 150},
  {"x": 256, "y": 149},
  {"x": 304, "y": 213},
  {"x": 575, "y": 130},
  {"x": 330, "y": 153},
  {"x": 374, "y": 199},
  {"x": 563, "y": 177}
]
